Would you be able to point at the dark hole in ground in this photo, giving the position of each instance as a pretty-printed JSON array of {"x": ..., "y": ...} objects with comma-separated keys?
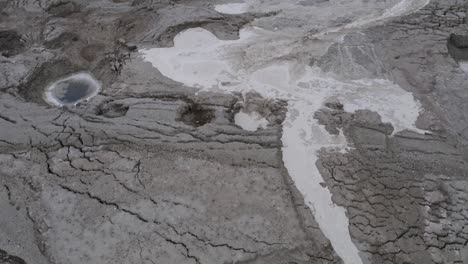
[
  {"x": 196, "y": 115},
  {"x": 6, "y": 258},
  {"x": 10, "y": 43},
  {"x": 458, "y": 47}
]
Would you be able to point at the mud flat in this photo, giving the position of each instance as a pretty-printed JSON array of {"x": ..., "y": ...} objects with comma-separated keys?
[
  {"x": 199, "y": 59},
  {"x": 299, "y": 131}
]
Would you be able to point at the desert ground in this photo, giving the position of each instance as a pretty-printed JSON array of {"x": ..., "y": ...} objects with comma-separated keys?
[{"x": 233, "y": 131}]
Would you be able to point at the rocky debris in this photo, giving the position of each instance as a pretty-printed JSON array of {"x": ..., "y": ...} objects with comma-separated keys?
[
  {"x": 334, "y": 104},
  {"x": 334, "y": 119},
  {"x": 117, "y": 60},
  {"x": 118, "y": 57},
  {"x": 113, "y": 109},
  {"x": 273, "y": 110},
  {"x": 128, "y": 46}
]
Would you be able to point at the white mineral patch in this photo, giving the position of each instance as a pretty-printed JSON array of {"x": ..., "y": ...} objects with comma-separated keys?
[
  {"x": 232, "y": 8},
  {"x": 404, "y": 7},
  {"x": 464, "y": 65},
  {"x": 250, "y": 121},
  {"x": 195, "y": 59},
  {"x": 51, "y": 95},
  {"x": 401, "y": 8},
  {"x": 199, "y": 59}
]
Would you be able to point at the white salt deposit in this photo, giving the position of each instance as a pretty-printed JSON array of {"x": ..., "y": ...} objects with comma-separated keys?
[
  {"x": 404, "y": 7},
  {"x": 250, "y": 121},
  {"x": 232, "y": 8},
  {"x": 195, "y": 59},
  {"x": 463, "y": 65},
  {"x": 199, "y": 59},
  {"x": 401, "y": 8}
]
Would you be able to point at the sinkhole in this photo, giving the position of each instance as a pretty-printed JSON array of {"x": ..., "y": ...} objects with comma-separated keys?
[
  {"x": 72, "y": 90},
  {"x": 458, "y": 48}
]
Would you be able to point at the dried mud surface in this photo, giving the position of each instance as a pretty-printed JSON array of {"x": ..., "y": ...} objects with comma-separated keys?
[{"x": 150, "y": 171}]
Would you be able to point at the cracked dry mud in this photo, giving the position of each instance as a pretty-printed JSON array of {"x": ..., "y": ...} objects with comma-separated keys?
[{"x": 152, "y": 170}]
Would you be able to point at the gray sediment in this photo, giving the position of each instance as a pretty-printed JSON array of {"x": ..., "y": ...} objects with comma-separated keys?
[{"x": 152, "y": 171}]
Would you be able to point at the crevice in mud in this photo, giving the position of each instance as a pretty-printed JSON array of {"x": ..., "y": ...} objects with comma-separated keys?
[
  {"x": 195, "y": 115},
  {"x": 134, "y": 214},
  {"x": 7, "y": 188},
  {"x": 104, "y": 202},
  {"x": 6, "y": 258},
  {"x": 217, "y": 245},
  {"x": 7, "y": 119}
]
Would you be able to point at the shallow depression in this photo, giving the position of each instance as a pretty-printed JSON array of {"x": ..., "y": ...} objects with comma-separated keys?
[{"x": 72, "y": 90}]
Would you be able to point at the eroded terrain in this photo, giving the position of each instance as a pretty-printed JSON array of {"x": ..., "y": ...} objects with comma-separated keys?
[{"x": 248, "y": 132}]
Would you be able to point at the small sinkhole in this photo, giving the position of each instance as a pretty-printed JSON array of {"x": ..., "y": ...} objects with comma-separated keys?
[
  {"x": 458, "y": 48},
  {"x": 72, "y": 90},
  {"x": 196, "y": 115}
]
